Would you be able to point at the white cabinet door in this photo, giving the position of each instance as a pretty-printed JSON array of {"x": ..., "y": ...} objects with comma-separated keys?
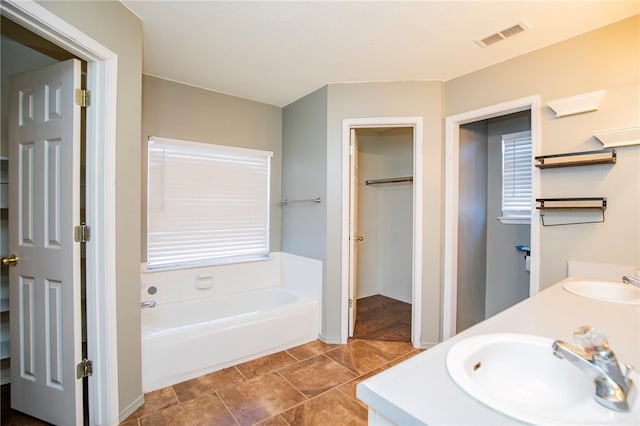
[{"x": 44, "y": 206}]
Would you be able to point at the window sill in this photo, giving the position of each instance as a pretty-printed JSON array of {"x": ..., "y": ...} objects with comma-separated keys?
[
  {"x": 144, "y": 267},
  {"x": 515, "y": 220}
]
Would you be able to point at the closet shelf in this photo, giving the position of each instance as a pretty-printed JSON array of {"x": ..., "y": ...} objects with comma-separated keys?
[
  {"x": 584, "y": 158},
  {"x": 400, "y": 179}
]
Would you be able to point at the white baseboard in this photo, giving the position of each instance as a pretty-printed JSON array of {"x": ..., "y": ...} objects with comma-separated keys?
[
  {"x": 331, "y": 340},
  {"x": 131, "y": 408}
]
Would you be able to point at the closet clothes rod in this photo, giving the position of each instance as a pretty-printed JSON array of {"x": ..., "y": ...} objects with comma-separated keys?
[
  {"x": 305, "y": 200},
  {"x": 389, "y": 180}
]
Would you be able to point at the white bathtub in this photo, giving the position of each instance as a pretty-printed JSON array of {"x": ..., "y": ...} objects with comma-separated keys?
[{"x": 183, "y": 340}]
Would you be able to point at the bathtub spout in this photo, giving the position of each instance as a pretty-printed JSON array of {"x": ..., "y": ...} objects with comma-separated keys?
[{"x": 148, "y": 304}]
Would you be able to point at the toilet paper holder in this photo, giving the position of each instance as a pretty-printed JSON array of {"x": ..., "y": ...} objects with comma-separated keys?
[{"x": 527, "y": 256}]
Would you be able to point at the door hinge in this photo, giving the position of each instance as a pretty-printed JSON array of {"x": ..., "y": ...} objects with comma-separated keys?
[
  {"x": 81, "y": 233},
  {"x": 83, "y": 97},
  {"x": 351, "y": 303},
  {"x": 84, "y": 369}
]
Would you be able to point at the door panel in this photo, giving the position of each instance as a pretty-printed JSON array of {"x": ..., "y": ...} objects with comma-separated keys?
[
  {"x": 353, "y": 232},
  {"x": 44, "y": 206}
]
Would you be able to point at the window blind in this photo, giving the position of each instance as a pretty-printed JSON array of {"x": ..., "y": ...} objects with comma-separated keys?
[
  {"x": 516, "y": 174},
  {"x": 206, "y": 203}
]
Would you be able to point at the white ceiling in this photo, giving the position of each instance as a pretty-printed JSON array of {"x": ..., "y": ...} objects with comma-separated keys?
[{"x": 277, "y": 52}]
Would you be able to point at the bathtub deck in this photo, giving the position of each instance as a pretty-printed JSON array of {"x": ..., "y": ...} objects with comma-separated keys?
[{"x": 313, "y": 383}]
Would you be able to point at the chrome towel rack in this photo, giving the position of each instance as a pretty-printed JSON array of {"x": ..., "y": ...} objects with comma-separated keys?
[
  {"x": 286, "y": 202},
  {"x": 400, "y": 179},
  {"x": 581, "y": 203}
]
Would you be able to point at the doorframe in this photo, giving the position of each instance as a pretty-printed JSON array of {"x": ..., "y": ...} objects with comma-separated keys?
[
  {"x": 416, "y": 299},
  {"x": 452, "y": 161},
  {"x": 102, "y": 72}
]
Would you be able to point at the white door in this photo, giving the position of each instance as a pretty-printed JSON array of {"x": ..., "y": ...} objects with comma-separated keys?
[
  {"x": 354, "y": 237},
  {"x": 44, "y": 201}
]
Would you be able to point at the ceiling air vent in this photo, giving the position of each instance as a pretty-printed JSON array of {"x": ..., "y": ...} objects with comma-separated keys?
[{"x": 501, "y": 35}]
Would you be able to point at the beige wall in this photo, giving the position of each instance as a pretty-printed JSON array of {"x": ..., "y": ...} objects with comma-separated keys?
[
  {"x": 113, "y": 26},
  {"x": 608, "y": 59},
  {"x": 178, "y": 111},
  {"x": 399, "y": 99}
]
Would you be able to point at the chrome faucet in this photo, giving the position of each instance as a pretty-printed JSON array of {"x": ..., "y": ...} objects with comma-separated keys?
[
  {"x": 148, "y": 304},
  {"x": 628, "y": 279},
  {"x": 593, "y": 356}
]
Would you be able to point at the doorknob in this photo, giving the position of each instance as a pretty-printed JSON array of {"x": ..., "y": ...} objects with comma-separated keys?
[
  {"x": 10, "y": 261},
  {"x": 359, "y": 238}
]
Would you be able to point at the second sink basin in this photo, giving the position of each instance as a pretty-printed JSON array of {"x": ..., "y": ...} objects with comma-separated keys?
[
  {"x": 518, "y": 375},
  {"x": 605, "y": 290}
]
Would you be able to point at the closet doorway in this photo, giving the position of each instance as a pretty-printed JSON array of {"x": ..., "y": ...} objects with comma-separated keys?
[
  {"x": 384, "y": 228},
  {"x": 382, "y": 233},
  {"x": 35, "y": 63}
]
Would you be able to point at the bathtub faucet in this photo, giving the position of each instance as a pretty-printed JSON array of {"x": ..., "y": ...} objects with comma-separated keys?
[
  {"x": 148, "y": 304},
  {"x": 628, "y": 279}
]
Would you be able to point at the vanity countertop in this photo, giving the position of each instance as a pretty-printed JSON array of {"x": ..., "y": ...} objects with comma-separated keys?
[{"x": 420, "y": 390}]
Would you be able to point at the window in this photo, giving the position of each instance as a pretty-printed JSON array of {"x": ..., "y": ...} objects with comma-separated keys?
[
  {"x": 206, "y": 204},
  {"x": 516, "y": 178}
]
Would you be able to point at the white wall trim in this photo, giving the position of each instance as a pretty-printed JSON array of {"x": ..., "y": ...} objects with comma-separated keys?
[
  {"x": 129, "y": 410},
  {"x": 416, "y": 123},
  {"x": 452, "y": 142},
  {"x": 100, "y": 202}
]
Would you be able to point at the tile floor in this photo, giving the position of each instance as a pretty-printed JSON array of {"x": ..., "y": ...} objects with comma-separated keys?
[
  {"x": 311, "y": 384},
  {"x": 383, "y": 318}
]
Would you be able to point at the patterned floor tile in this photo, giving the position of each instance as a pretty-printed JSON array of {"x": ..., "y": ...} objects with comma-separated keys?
[
  {"x": 265, "y": 364},
  {"x": 392, "y": 349},
  {"x": 205, "y": 411},
  {"x": 311, "y": 349},
  {"x": 208, "y": 383},
  {"x": 359, "y": 357},
  {"x": 349, "y": 388},
  {"x": 316, "y": 375},
  {"x": 260, "y": 398},
  {"x": 329, "y": 409},
  {"x": 155, "y": 401}
]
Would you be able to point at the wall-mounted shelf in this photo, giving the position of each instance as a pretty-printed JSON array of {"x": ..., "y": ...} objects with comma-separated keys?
[
  {"x": 570, "y": 159},
  {"x": 578, "y": 104},
  {"x": 400, "y": 179},
  {"x": 581, "y": 203},
  {"x": 619, "y": 137}
]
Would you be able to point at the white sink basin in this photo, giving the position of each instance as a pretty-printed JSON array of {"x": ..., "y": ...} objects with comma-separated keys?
[
  {"x": 605, "y": 290},
  {"x": 518, "y": 375}
]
